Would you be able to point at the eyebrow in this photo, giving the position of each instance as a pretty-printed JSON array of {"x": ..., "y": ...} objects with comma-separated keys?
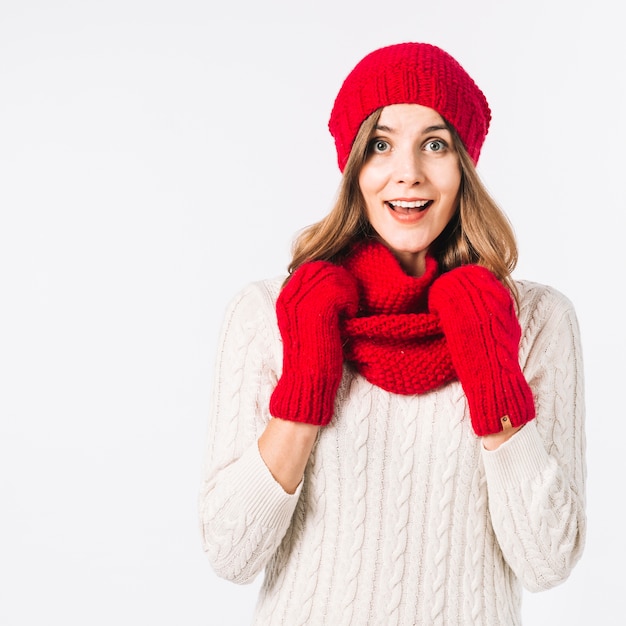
[{"x": 429, "y": 129}]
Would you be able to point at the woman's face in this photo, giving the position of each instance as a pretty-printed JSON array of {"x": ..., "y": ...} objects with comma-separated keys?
[{"x": 410, "y": 181}]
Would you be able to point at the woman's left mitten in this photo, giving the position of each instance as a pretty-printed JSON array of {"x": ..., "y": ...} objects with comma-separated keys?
[{"x": 477, "y": 316}]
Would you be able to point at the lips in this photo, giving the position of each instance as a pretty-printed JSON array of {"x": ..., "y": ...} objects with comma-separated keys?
[{"x": 406, "y": 207}]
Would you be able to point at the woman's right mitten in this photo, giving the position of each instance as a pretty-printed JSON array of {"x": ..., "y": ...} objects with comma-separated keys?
[{"x": 308, "y": 310}]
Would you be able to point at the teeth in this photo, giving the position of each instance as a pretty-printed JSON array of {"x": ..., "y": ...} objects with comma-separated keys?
[{"x": 409, "y": 205}]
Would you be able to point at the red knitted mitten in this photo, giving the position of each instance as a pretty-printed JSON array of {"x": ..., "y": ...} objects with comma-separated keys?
[
  {"x": 309, "y": 309},
  {"x": 478, "y": 319}
]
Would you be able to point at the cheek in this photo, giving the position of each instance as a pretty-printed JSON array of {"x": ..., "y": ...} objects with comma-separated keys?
[
  {"x": 449, "y": 179},
  {"x": 371, "y": 179}
]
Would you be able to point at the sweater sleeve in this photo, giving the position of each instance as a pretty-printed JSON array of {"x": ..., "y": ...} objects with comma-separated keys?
[
  {"x": 536, "y": 480},
  {"x": 244, "y": 512}
]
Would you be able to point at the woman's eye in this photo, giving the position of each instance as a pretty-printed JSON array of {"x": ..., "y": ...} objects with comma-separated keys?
[
  {"x": 379, "y": 145},
  {"x": 436, "y": 145}
]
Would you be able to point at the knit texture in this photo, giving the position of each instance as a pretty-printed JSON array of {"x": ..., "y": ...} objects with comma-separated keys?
[
  {"x": 308, "y": 312},
  {"x": 410, "y": 73},
  {"x": 402, "y": 518},
  {"x": 478, "y": 318},
  {"x": 395, "y": 342}
]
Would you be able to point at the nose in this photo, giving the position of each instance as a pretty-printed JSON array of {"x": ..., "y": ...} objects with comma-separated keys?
[{"x": 407, "y": 168}]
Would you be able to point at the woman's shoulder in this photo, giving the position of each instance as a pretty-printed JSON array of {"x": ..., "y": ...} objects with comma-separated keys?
[
  {"x": 253, "y": 304},
  {"x": 541, "y": 304},
  {"x": 261, "y": 293},
  {"x": 249, "y": 318},
  {"x": 530, "y": 291}
]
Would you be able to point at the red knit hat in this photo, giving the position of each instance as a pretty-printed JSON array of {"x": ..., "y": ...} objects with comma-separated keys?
[{"x": 410, "y": 73}]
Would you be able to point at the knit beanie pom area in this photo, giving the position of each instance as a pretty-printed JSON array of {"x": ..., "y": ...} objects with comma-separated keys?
[{"x": 410, "y": 73}]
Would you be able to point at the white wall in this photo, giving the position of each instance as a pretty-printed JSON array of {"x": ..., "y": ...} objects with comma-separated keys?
[{"x": 154, "y": 158}]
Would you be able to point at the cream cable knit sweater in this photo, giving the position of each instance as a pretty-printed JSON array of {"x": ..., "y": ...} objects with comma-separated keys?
[{"x": 402, "y": 516}]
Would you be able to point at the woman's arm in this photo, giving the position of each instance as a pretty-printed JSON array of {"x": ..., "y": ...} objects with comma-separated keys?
[
  {"x": 244, "y": 511},
  {"x": 536, "y": 479},
  {"x": 251, "y": 487}
]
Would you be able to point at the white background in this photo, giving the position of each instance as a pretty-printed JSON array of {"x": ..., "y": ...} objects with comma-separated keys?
[{"x": 157, "y": 156}]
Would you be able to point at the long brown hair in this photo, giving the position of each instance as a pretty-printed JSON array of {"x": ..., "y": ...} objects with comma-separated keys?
[{"x": 479, "y": 232}]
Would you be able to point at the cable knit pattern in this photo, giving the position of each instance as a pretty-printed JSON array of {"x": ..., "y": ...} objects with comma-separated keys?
[
  {"x": 359, "y": 506},
  {"x": 402, "y": 517}
]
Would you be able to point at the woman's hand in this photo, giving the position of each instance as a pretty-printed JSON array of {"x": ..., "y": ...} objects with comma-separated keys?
[
  {"x": 285, "y": 448},
  {"x": 494, "y": 441}
]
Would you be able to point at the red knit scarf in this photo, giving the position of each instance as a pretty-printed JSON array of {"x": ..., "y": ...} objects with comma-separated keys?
[{"x": 394, "y": 342}]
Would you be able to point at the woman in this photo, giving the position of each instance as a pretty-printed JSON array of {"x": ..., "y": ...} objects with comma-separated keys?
[{"x": 397, "y": 431}]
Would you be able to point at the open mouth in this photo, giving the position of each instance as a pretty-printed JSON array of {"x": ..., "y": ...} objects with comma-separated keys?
[{"x": 402, "y": 206}]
